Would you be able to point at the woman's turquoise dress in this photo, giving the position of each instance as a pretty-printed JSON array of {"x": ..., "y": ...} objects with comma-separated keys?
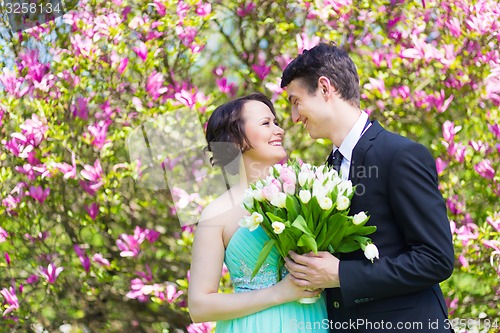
[{"x": 293, "y": 317}]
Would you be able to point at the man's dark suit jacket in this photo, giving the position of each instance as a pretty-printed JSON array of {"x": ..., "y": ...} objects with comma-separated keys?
[{"x": 397, "y": 187}]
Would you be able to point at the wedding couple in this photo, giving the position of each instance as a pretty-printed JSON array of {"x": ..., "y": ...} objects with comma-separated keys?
[{"x": 399, "y": 292}]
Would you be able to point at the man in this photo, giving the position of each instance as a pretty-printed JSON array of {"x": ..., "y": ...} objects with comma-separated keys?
[{"x": 397, "y": 186}]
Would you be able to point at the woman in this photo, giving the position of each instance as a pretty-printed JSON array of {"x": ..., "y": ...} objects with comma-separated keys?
[{"x": 261, "y": 304}]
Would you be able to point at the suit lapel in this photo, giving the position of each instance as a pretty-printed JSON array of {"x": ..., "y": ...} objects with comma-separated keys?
[{"x": 359, "y": 151}]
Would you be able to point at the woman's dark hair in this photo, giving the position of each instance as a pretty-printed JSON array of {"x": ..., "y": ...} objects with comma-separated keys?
[
  {"x": 226, "y": 132},
  {"x": 325, "y": 60}
]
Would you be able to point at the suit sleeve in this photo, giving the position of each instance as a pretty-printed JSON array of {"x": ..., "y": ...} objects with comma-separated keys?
[{"x": 419, "y": 211}]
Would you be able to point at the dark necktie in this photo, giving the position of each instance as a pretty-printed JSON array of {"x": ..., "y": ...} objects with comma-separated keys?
[{"x": 335, "y": 160}]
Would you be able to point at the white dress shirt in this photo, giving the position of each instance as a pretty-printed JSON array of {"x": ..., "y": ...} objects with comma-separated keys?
[{"x": 350, "y": 142}]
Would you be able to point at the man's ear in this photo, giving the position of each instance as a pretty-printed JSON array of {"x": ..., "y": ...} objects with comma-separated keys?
[{"x": 325, "y": 87}]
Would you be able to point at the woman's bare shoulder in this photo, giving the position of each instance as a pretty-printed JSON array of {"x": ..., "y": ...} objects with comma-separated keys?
[{"x": 222, "y": 209}]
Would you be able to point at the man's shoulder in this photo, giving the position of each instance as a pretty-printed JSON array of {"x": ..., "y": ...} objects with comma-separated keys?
[{"x": 392, "y": 139}]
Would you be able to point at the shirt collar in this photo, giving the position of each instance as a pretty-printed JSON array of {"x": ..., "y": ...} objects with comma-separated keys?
[{"x": 352, "y": 137}]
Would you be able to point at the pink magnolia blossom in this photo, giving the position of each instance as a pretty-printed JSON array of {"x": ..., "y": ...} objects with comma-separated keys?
[
  {"x": 12, "y": 84},
  {"x": 479, "y": 146},
  {"x": 203, "y": 9},
  {"x": 187, "y": 35},
  {"x": 34, "y": 168},
  {"x": 141, "y": 51},
  {"x": 34, "y": 130},
  {"x": 38, "y": 193},
  {"x": 377, "y": 58},
  {"x": 38, "y": 238},
  {"x": 92, "y": 210},
  {"x": 457, "y": 150},
  {"x": 455, "y": 206},
  {"x": 80, "y": 109},
  {"x": 18, "y": 145},
  {"x": 32, "y": 279},
  {"x": 3, "y": 235},
  {"x": 467, "y": 232},
  {"x": 7, "y": 258},
  {"x": 10, "y": 297},
  {"x": 376, "y": 84},
  {"x": 494, "y": 221},
  {"x": 449, "y": 130},
  {"x": 219, "y": 71},
  {"x": 186, "y": 97},
  {"x": 306, "y": 43},
  {"x": 245, "y": 9},
  {"x": 402, "y": 91},
  {"x": 154, "y": 85},
  {"x": 51, "y": 272},
  {"x": 225, "y": 87},
  {"x": 69, "y": 170},
  {"x": 440, "y": 103},
  {"x": 93, "y": 174},
  {"x": 454, "y": 27},
  {"x": 84, "y": 259},
  {"x": 495, "y": 129},
  {"x": 30, "y": 60},
  {"x": 463, "y": 261},
  {"x": 170, "y": 294},
  {"x": 98, "y": 258},
  {"x": 440, "y": 165},
  {"x": 128, "y": 245},
  {"x": 485, "y": 169},
  {"x": 98, "y": 132},
  {"x": 160, "y": 7},
  {"x": 188, "y": 228},
  {"x": 182, "y": 10},
  {"x": 201, "y": 327},
  {"x": 283, "y": 60},
  {"x": 11, "y": 203},
  {"x": 142, "y": 292},
  {"x": 261, "y": 69},
  {"x": 136, "y": 292},
  {"x": 122, "y": 65},
  {"x": 493, "y": 86}
]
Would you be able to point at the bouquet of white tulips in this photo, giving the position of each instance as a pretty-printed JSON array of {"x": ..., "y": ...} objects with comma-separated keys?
[{"x": 305, "y": 208}]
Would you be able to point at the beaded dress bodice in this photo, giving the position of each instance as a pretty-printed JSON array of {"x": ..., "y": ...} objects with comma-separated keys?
[{"x": 240, "y": 258}]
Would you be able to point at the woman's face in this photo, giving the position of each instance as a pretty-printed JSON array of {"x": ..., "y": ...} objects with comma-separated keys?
[{"x": 263, "y": 133}]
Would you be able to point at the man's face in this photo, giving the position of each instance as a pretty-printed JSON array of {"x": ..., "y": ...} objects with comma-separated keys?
[{"x": 310, "y": 109}]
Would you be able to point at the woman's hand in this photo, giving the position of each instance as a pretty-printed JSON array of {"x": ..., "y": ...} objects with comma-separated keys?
[{"x": 287, "y": 291}]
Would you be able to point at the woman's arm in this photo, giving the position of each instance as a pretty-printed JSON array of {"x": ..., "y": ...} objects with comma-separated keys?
[{"x": 206, "y": 304}]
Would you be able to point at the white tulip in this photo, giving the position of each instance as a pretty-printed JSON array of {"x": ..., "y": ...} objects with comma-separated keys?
[
  {"x": 254, "y": 221},
  {"x": 345, "y": 186},
  {"x": 303, "y": 177},
  {"x": 279, "y": 200},
  {"x": 256, "y": 217},
  {"x": 371, "y": 252},
  {"x": 248, "y": 199},
  {"x": 289, "y": 188},
  {"x": 245, "y": 222},
  {"x": 329, "y": 186},
  {"x": 257, "y": 194},
  {"x": 325, "y": 203},
  {"x": 359, "y": 218},
  {"x": 342, "y": 202},
  {"x": 304, "y": 196},
  {"x": 319, "y": 190},
  {"x": 278, "y": 227}
]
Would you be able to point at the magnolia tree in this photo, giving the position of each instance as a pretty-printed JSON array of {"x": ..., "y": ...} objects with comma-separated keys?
[{"x": 86, "y": 246}]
